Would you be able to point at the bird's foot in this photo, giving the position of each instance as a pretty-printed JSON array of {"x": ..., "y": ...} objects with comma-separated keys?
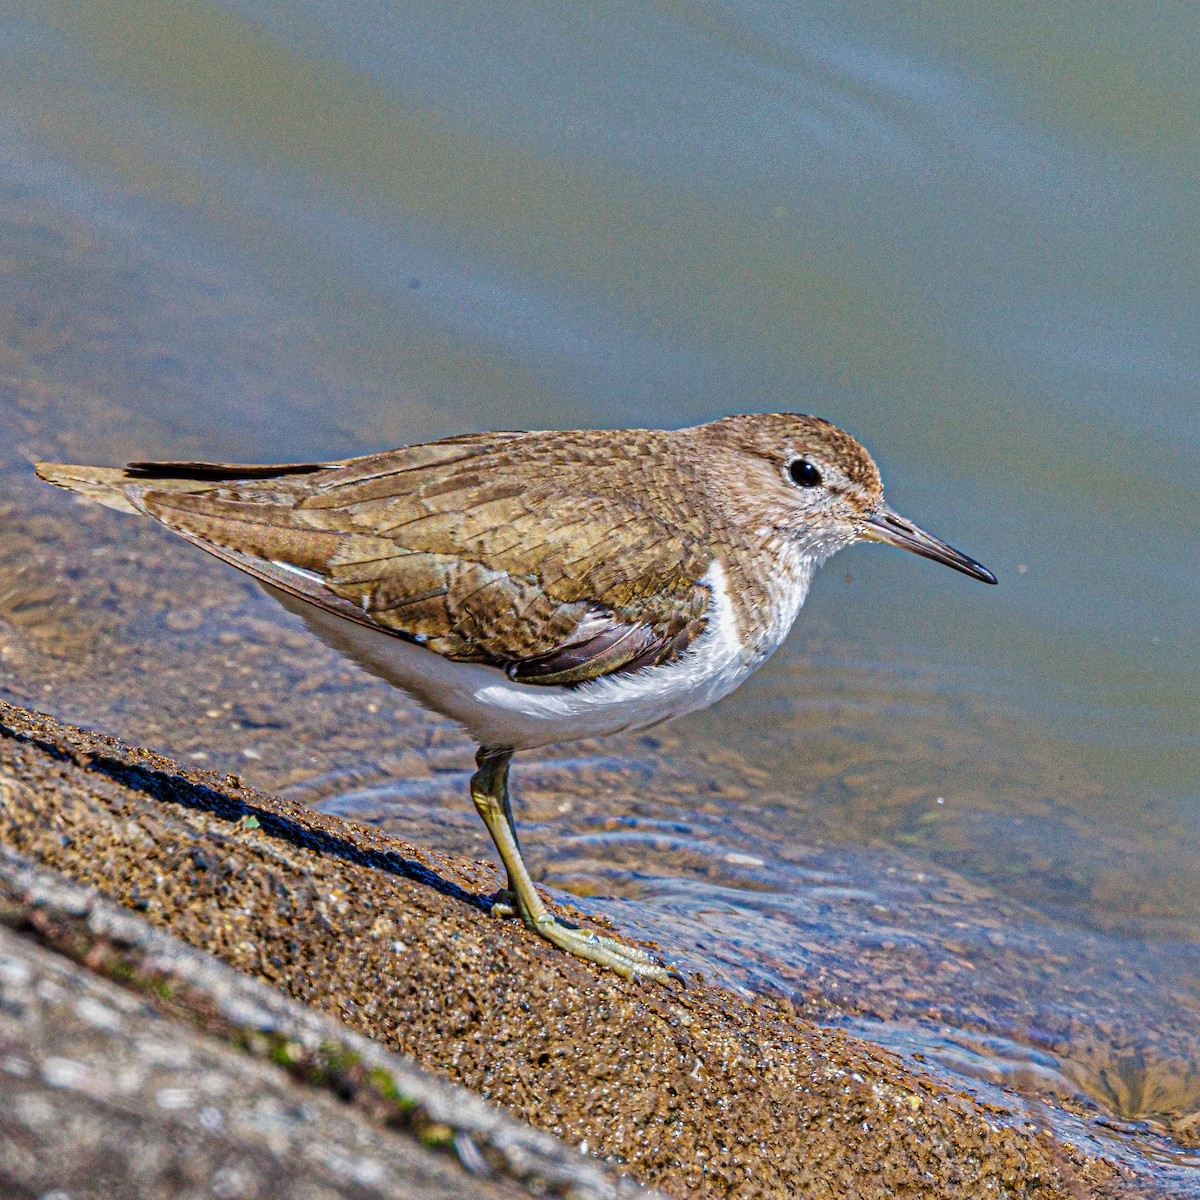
[
  {"x": 628, "y": 961},
  {"x": 631, "y": 962}
]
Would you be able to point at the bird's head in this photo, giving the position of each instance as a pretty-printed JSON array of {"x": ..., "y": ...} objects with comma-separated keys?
[{"x": 810, "y": 484}]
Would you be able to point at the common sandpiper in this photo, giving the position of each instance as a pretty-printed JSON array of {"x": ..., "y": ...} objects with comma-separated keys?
[{"x": 546, "y": 586}]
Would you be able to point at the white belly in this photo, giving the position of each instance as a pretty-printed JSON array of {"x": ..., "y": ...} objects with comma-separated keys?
[{"x": 495, "y": 711}]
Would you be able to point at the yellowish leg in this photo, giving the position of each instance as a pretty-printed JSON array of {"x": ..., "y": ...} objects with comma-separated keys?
[
  {"x": 506, "y": 903},
  {"x": 489, "y": 791}
]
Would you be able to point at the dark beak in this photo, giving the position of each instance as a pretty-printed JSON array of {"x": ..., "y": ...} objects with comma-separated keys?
[{"x": 887, "y": 526}]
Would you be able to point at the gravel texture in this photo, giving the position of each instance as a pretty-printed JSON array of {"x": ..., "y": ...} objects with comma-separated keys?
[{"x": 687, "y": 1087}]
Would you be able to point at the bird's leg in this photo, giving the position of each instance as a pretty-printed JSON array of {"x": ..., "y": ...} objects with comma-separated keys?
[
  {"x": 489, "y": 791},
  {"x": 506, "y": 902}
]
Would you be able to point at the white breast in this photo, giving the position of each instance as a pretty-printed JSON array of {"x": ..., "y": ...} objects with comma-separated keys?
[{"x": 498, "y": 712}]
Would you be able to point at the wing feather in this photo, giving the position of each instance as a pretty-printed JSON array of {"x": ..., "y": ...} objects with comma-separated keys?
[{"x": 465, "y": 547}]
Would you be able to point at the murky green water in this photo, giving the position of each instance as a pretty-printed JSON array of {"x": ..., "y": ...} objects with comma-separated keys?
[{"x": 275, "y": 231}]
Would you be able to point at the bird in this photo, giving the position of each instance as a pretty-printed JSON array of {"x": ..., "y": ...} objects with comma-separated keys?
[{"x": 538, "y": 587}]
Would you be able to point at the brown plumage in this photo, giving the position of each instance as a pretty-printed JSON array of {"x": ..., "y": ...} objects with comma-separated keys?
[{"x": 470, "y": 545}]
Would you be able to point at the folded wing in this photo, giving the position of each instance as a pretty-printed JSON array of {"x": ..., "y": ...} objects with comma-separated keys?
[{"x": 463, "y": 546}]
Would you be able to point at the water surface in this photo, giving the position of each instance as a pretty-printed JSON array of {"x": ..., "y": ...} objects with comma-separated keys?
[{"x": 964, "y": 818}]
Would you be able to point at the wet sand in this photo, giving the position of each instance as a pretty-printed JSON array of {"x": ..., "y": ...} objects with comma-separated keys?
[{"x": 688, "y": 1086}]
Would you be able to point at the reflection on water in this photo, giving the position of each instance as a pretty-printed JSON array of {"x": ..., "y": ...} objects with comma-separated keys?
[{"x": 964, "y": 822}]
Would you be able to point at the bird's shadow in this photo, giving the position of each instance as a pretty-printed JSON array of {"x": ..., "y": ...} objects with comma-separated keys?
[{"x": 169, "y": 788}]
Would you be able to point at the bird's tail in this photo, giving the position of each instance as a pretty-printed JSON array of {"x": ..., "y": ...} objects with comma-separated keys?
[
  {"x": 105, "y": 485},
  {"x": 122, "y": 487}
]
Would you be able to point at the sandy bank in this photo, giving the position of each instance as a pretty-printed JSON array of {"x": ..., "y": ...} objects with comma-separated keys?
[{"x": 685, "y": 1086}]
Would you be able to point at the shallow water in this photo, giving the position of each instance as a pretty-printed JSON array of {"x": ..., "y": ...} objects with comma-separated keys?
[{"x": 960, "y": 817}]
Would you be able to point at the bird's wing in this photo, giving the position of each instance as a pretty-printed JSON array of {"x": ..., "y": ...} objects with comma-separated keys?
[{"x": 466, "y": 547}]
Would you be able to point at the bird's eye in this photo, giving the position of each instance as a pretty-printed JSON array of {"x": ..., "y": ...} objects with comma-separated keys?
[{"x": 804, "y": 474}]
